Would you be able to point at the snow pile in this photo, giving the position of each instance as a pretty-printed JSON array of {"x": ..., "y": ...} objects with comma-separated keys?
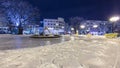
[{"x": 77, "y": 53}]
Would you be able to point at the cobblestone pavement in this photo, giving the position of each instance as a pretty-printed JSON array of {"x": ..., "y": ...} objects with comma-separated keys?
[{"x": 76, "y": 53}]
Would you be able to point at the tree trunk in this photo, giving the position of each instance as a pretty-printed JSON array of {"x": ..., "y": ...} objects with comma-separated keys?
[
  {"x": 20, "y": 29},
  {"x": 75, "y": 30}
]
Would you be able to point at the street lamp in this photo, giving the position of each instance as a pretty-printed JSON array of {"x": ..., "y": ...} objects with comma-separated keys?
[
  {"x": 72, "y": 28},
  {"x": 82, "y": 26},
  {"x": 95, "y": 26},
  {"x": 114, "y": 19},
  {"x": 63, "y": 27}
]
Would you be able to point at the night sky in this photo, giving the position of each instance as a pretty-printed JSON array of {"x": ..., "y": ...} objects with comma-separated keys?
[{"x": 88, "y": 9}]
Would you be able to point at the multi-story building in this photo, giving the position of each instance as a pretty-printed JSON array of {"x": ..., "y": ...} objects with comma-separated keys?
[
  {"x": 117, "y": 27},
  {"x": 54, "y": 25},
  {"x": 47, "y": 26},
  {"x": 51, "y": 23},
  {"x": 95, "y": 27}
]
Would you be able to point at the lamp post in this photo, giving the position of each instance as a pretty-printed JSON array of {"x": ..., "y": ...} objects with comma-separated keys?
[
  {"x": 72, "y": 30},
  {"x": 114, "y": 19},
  {"x": 82, "y": 27},
  {"x": 96, "y": 32},
  {"x": 95, "y": 26}
]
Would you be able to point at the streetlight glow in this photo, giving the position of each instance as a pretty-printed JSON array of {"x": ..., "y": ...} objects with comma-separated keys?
[
  {"x": 95, "y": 26},
  {"x": 63, "y": 27},
  {"x": 114, "y": 19},
  {"x": 82, "y": 26},
  {"x": 72, "y": 28}
]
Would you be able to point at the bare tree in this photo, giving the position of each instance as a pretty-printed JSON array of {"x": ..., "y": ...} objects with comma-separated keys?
[
  {"x": 75, "y": 22},
  {"x": 20, "y": 13}
]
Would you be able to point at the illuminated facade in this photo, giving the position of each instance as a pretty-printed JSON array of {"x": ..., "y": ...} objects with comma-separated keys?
[
  {"x": 54, "y": 24},
  {"x": 95, "y": 27}
]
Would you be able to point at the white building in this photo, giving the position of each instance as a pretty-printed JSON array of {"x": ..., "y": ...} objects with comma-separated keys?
[
  {"x": 94, "y": 27},
  {"x": 55, "y": 26}
]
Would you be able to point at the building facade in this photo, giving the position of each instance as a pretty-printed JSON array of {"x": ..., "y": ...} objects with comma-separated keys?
[
  {"x": 54, "y": 25},
  {"x": 117, "y": 27},
  {"x": 94, "y": 27}
]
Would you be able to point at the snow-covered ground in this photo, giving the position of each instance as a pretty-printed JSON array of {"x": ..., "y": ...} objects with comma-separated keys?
[{"x": 79, "y": 52}]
